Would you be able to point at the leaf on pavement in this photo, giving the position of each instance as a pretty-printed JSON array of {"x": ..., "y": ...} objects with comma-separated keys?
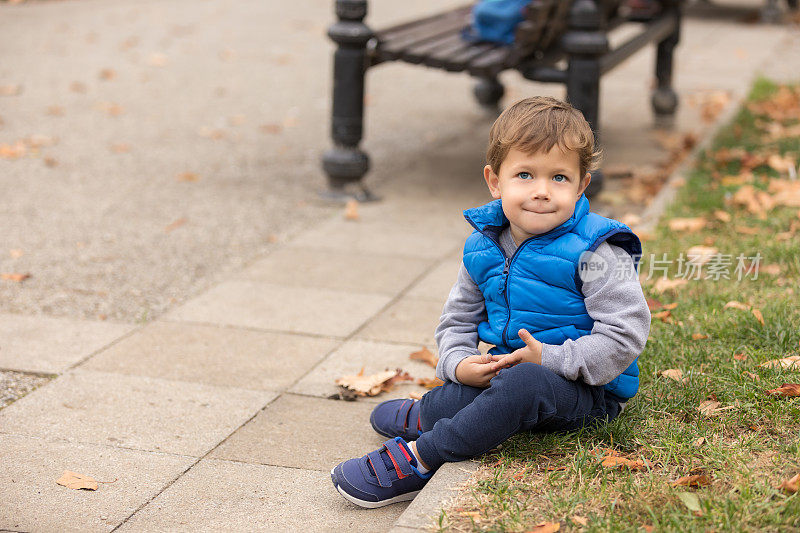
[
  {"x": 400, "y": 376},
  {"x": 425, "y": 356},
  {"x": 371, "y": 385},
  {"x": 187, "y": 176},
  {"x": 792, "y": 362},
  {"x": 430, "y": 383},
  {"x": 71, "y": 480},
  {"x": 14, "y": 276},
  {"x": 351, "y": 210},
  {"x": 787, "y": 390}
]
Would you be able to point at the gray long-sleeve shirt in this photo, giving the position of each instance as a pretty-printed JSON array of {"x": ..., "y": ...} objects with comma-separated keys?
[{"x": 614, "y": 300}]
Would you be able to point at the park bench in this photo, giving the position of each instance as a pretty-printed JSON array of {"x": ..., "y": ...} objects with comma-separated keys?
[{"x": 553, "y": 33}]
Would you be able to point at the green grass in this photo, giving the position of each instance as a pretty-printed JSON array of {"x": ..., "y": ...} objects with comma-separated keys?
[{"x": 748, "y": 449}]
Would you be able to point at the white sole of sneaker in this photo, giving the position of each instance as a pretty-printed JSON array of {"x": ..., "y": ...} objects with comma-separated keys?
[{"x": 374, "y": 505}]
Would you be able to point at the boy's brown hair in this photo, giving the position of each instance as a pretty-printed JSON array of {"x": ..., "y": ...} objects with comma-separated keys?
[{"x": 537, "y": 124}]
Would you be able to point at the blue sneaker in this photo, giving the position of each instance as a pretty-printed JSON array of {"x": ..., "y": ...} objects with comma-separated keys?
[
  {"x": 386, "y": 475},
  {"x": 397, "y": 418}
]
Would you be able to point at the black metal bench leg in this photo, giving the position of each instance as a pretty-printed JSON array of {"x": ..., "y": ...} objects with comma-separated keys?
[
  {"x": 585, "y": 42},
  {"x": 346, "y": 163},
  {"x": 664, "y": 99},
  {"x": 488, "y": 92}
]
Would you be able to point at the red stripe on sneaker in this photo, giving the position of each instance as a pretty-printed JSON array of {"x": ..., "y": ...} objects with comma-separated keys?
[
  {"x": 400, "y": 475},
  {"x": 403, "y": 449}
]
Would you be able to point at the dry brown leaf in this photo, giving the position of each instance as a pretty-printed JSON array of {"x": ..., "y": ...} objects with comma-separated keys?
[
  {"x": 545, "y": 527},
  {"x": 671, "y": 306},
  {"x": 791, "y": 362},
  {"x": 757, "y": 313},
  {"x": 351, "y": 210},
  {"x": 724, "y": 216},
  {"x": 10, "y": 90},
  {"x": 14, "y": 276},
  {"x": 425, "y": 356},
  {"x": 673, "y": 373},
  {"x": 664, "y": 316},
  {"x": 654, "y": 304},
  {"x": 50, "y": 162},
  {"x": 580, "y": 520},
  {"x": 175, "y": 224},
  {"x": 71, "y": 480},
  {"x": 791, "y": 485},
  {"x": 695, "y": 480},
  {"x": 371, "y": 385},
  {"x": 700, "y": 255},
  {"x": 399, "y": 376},
  {"x": 709, "y": 407},
  {"x": 211, "y": 133},
  {"x": 787, "y": 390},
  {"x": 740, "y": 357},
  {"x": 272, "y": 129},
  {"x": 13, "y": 151},
  {"x": 699, "y": 442},
  {"x": 771, "y": 269},
  {"x": 615, "y": 461},
  {"x": 120, "y": 148},
  {"x": 430, "y": 383},
  {"x": 780, "y": 163},
  {"x": 733, "y": 304},
  {"x": 108, "y": 74},
  {"x": 665, "y": 284},
  {"x": 785, "y": 192},
  {"x": 687, "y": 224},
  {"x": 415, "y": 395},
  {"x": 187, "y": 176},
  {"x": 699, "y": 336},
  {"x": 754, "y": 377}
]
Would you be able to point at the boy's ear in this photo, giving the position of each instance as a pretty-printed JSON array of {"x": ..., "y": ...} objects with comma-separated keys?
[
  {"x": 492, "y": 181},
  {"x": 584, "y": 183}
]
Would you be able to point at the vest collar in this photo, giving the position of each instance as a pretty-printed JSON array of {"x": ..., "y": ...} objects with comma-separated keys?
[{"x": 490, "y": 220}]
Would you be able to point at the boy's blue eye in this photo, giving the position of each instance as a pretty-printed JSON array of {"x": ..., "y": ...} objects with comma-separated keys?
[
  {"x": 524, "y": 175},
  {"x": 557, "y": 176}
]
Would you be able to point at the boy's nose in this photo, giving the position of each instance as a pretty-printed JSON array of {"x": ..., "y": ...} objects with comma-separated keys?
[{"x": 540, "y": 190}]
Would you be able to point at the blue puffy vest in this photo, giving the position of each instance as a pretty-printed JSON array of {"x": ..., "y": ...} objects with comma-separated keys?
[{"x": 539, "y": 287}]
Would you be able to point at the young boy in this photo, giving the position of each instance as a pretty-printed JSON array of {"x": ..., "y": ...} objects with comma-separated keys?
[{"x": 551, "y": 286}]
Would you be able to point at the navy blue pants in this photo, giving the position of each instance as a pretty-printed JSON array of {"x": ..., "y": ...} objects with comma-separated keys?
[{"x": 459, "y": 421}]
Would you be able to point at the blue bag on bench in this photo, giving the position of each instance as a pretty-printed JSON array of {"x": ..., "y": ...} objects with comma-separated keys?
[{"x": 496, "y": 20}]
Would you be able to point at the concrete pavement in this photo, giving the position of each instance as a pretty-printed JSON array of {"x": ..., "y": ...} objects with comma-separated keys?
[{"x": 201, "y": 402}]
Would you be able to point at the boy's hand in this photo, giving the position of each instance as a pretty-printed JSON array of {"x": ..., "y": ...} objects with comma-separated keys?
[
  {"x": 531, "y": 353},
  {"x": 476, "y": 371}
]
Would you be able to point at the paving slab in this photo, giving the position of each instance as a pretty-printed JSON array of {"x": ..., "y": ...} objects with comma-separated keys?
[
  {"x": 223, "y": 356},
  {"x": 437, "y": 282},
  {"x": 30, "y": 499},
  {"x": 273, "y": 307},
  {"x": 332, "y": 269},
  {"x": 373, "y": 357},
  {"x": 408, "y": 320},
  {"x": 303, "y": 432},
  {"x": 220, "y": 495},
  {"x": 420, "y": 241},
  {"x": 51, "y": 345},
  {"x": 133, "y": 412}
]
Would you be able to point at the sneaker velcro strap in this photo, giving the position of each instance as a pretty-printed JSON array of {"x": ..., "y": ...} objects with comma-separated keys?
[
  {"x": 403, "y": 412},
  {"x": 400, "y": 457},
  {"x": 379, "y": 467}
]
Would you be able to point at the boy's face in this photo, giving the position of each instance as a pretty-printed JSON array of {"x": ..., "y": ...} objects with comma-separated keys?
[{"x": 538, "y": 190}]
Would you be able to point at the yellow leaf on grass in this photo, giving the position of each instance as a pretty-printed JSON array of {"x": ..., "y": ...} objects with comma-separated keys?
[
  {"x": 787, "y": 390},
  {"x": 700, "y": 255},
  {"x": 425, "y": 356},
  {"x": 545, "y": 527},
  {"x": 580, "y": 520},
  {"x": 699, "y": 336},
  {"x": 71, "y": 480},
  {"x": 792, "y": 362},
  {"x": 791, "y": 485},
  {"x": 709, "y": 407},
  {"x": 687, "y": 224},
  {"x": 696, "y": 480},
  {"x": 757, "y": 314},
  {"x": 733, "y": 304},
  {"x": 754, "y": 377},
  {"x": 613, "y": 461},
  {"x": 724, "y": 216},
  {"x": 674, "y": 374},
  {"x": 366, "y": 385},
  {"x": 666, "y": 284}
]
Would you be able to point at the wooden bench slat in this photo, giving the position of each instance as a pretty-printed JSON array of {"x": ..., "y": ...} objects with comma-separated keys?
[
  {"x": 392, "y": 48},
  {"x": 460, "y": 60},
  {"x": 394, "y": 32},
  {"x": 490, "y": 63},
  {"x": 420, "y": 52}
]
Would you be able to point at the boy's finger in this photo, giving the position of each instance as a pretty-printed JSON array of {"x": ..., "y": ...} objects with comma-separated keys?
[{"x": 527, "y": 338}]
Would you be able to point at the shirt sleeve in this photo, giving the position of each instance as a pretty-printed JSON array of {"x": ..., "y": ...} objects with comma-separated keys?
[
  {"x": 457, "y": 332},
  {"x": 621, "y": 324}
]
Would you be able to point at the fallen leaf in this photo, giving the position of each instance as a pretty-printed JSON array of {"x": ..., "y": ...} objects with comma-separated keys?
[
  {"x": 791, "y": 485},
  {"x": 654, "y": 304},
  {"x": 740, "y": 357},
  {"x": 724, "y": 216},
  {"x": 699, "y": 442},
  {"x": 791, "y": 362},
  {"x": 50, "y": 162},
  {"x": 77, "y": 87},
  {"x": 787, "y": 390},
  {"x": 108, "y": 74},
  {"x": 351, "y": 210},
  {"x": 16, "y": 253},
  {"x": 120, "y": 148},
  {"x": 747, "y": 230},
  {"x": 174, "y": 225},
  {"x": 663, "y": 315},
  {"x": 781, "y": 164},
  {"x": 690, "y": 500},
  {"x": 733, "y": 304},
  {"x": 665, "y": 284},
  {"x": 371, "y": 385},
  {"x": 700, "y": 255},
  {"x": 671, "y": 306},
  {"x": 696, "y": 480},
  {"x": 687, "y": 224},
  {"x": 699, "y": 336},
  {"x": 71, "y": 480},
  {"x": 425, "y": 356},
  {"x": 272, "y": 129},
  {"x": 110, "y": 108},
  {"x": 400, "y": 376},
  {"x": 545, "y": 527},
  {"x": 754, "y": 377},
  {"x": 187, "y": 176},
  {"x": 771, "y": 269},
  {"x": 580, "y": 520},
  {"x": 613, "y": 461},
  {"x": 630, "y": 219},
  {"x": 415, "y": 395},
  {"x": 10, "y": 90},
  {"x": 12, "y": 151},
  {"x": 757, "y": 313},
  {"x": 55, "y": 111},
  {"x": 14, "y": 276},
  {"x": 430, "y": 383},
  {"x": 157, "y": 59},
  {"x": 708, "y": 407},
  {"x": 673, "y": 374}
]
